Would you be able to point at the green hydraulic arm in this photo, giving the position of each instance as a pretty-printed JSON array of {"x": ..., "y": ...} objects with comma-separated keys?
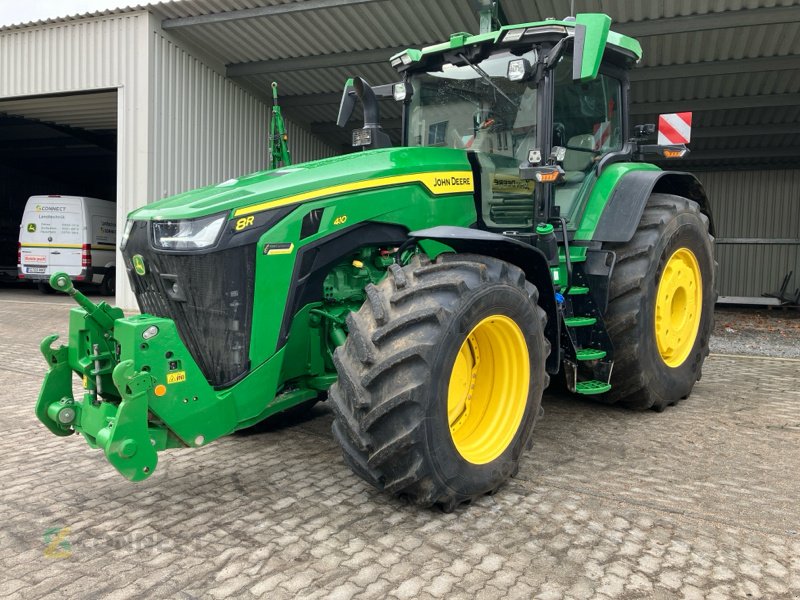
[{"x": 279, "y": 151}]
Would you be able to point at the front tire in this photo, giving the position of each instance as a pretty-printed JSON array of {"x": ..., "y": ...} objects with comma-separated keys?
[
  {"x": 441, "y": 379},
  {"x": 661, "y": 305}
]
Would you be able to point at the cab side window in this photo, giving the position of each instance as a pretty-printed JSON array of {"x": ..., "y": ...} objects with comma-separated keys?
[{"x": 587, "y": 122}]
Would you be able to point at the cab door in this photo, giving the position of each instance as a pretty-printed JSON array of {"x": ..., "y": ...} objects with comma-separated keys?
[{"x": 588, "y": 121}]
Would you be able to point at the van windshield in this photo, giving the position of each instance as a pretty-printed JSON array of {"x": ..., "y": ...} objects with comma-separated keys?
[{"x": 52, "y": 221}]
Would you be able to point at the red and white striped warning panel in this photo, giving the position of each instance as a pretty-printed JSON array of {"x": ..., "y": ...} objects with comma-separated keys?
[
  {"x": 675, "y": 128},
  {"x": 602, "y": 133}
]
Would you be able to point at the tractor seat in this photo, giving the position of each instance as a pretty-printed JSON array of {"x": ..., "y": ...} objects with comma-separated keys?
[
  {"x": 576, "y": 162},
  {"x": 576, "y": 165}
]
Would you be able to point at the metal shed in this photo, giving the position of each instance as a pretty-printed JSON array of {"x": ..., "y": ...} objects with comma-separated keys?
[
  {"x": 734, "y": 63},
  {"x": 111, "y": 105}
]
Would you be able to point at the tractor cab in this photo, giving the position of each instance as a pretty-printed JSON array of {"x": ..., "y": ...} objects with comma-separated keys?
[{"x": 537, "y": 107}]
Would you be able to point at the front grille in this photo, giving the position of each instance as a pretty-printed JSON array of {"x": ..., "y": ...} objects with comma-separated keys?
[{"x": 208, "y": 296}]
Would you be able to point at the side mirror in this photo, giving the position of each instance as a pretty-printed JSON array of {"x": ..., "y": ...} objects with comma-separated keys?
[
  {"x": 347, "y": 104},
  {"x": 591, "y": 34}
]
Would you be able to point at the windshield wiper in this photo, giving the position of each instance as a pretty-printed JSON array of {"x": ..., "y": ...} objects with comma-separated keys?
[{"x": 485, "y": 76}]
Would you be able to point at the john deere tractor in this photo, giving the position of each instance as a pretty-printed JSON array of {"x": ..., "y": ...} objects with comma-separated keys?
[{"x": 430, "y": 289}]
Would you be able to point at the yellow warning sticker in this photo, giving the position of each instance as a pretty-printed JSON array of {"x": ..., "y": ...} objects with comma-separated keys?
[
  {"x": 176, "y": 377},
  {"x": 512, "y": 184}
]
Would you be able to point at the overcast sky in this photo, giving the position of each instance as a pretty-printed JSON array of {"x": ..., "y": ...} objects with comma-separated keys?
[{"x": 23, "y": 11}]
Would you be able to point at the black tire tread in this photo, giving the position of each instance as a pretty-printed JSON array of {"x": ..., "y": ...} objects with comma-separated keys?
[
  {"x": 625, "y": 300},
  {"x": 382, "y": 370}
]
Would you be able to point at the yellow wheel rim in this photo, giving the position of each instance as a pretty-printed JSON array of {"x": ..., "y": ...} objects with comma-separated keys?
[
  {"x": 488, "y": 389},
  {"x": 679, "y": 305}
]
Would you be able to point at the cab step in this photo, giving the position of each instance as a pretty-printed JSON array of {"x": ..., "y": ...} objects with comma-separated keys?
[
  {"x": 592, "y": 387},
  {"x": 590, "y": 354},
  {"x": 578, "y": 290},
  {"x": 579, "y": 321}
]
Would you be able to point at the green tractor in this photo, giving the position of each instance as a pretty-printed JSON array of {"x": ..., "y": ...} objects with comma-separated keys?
[{"x": 430, "y": 290}]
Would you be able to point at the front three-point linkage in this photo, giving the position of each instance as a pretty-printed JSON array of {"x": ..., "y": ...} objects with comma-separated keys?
[{"x": 113, "y": 412}]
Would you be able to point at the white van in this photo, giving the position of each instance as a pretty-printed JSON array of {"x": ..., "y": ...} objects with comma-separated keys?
[{"x": 73, "y": 234}]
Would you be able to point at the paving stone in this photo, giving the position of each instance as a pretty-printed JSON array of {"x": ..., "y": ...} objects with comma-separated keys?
[{"x": 698, "y": 501}]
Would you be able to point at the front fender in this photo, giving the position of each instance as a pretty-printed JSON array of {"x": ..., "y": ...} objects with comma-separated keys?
[
  {"x": 624, "y": 208},
  {"x": 531, "y": 260}
]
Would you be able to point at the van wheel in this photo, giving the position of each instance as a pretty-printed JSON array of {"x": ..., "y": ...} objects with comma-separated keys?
[
  {"x": 109, "y": 285},
  {"x": 44, "y": 287}
]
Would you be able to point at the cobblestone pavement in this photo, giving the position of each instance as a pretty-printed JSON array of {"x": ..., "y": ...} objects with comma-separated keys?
[
  {"x": 698, "y": 501},
  {"x": 757, "y": 332}
]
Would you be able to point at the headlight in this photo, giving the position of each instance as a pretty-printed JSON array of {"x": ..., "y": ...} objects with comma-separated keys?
[
  {"x": 518, "y": 69},
  {"x": 187, "y": 234},
  {"x": 401, "y": 91},
  {"x": 125, "y": 235},
  {"x": 514, "y": 35}
]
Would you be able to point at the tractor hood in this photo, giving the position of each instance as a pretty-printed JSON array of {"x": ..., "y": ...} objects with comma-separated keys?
[{"x": 306, "y": 181}]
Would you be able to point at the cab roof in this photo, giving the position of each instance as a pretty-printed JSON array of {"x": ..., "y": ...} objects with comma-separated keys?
[{"x": 511, "y": 35}]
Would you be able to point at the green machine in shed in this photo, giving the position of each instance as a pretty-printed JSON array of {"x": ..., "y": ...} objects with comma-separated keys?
[{"x": 429, "y": 290}]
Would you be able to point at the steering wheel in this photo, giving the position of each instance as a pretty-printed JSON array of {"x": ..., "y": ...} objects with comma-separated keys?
[{"x": 559, "y": 134}]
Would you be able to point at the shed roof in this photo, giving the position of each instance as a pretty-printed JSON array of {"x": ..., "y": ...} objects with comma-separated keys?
[{"x": 734, "y": 63}]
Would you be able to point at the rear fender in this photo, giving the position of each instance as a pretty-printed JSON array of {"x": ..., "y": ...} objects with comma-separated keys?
[
  {"x": 624, "y": 208},
  {"x": 531, "y": 260}
]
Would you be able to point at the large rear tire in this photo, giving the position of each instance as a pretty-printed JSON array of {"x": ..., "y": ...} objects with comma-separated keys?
[
  {"x": 441, "y": 379},
  {"x": 661, "y": 305}
]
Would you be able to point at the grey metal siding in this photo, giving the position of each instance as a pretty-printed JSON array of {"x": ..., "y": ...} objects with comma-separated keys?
[
  {"x": 757, "y": 216},
  {"x": 305, "y": 146},
  {"x": 204, "y": 128}
]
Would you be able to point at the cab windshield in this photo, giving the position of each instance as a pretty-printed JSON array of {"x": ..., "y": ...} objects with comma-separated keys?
[
  {"x": 479, "y": 109},
  {"x": 457, "y": 107}
]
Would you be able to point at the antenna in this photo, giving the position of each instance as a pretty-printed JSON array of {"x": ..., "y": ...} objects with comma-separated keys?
[{"x": 572, "y": 8}]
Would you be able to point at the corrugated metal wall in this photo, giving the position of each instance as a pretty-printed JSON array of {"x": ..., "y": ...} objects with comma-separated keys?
[
  {"x": 757, "y": 217},
  {"x": 305, "y": 146},
  {"x": 204, "y": 128},
  {"x": 79, "y": 55}
]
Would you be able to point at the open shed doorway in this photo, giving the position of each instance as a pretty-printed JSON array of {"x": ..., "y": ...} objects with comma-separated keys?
[{"x": 53, "y": 145}]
